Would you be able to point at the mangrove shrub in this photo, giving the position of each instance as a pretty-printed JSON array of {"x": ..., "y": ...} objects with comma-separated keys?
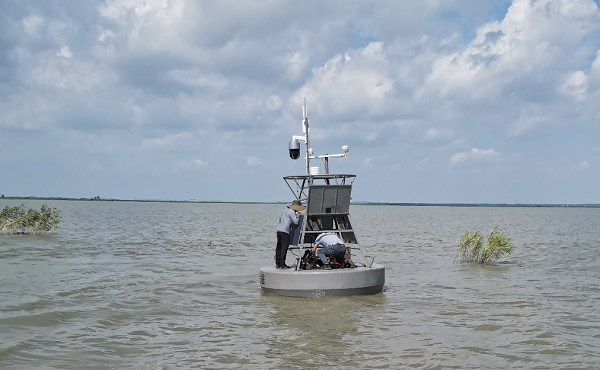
[
  {"x": 18, "y": 220},
  {"x": 472, "y": 247}
]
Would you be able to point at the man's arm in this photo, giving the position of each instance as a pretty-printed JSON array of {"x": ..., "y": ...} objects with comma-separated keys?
[{"x": 294, "y": 216}]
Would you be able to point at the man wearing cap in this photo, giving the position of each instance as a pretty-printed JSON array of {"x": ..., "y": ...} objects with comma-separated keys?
[
  {"x": 289, "y": 217},
  {"x": 331, "y": 246}
]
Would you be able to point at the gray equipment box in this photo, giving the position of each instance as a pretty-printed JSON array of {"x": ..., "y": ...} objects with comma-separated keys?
[{"x": 328, "y": 199}]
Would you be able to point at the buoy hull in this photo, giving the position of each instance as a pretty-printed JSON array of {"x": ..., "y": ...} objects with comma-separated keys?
[{"x": 323, "y": 283}]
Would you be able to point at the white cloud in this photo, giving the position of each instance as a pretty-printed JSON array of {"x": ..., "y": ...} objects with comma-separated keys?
[
  {"x": 475, "y": 155},
  {"x": 147, "y": 13},
  {"x": 526, "y": 122},
  {"x": 532, "y": 37},
  {"x": 253, "y": 161},
  {"x": 64, "y": 52},
  {"x": 575, "y": 84},
  {"x": 356, "y": 80},
  {"x": 194, "y": 77},
  {"x": 434, "y": 134},
  {"x": 584, "y": 164},
  {"x": 26, "y": 112},
  {"x": 32, "y": 25},
  {"x": 294, "y": 63},
  {"x": 189, "y": 165},
  {"x": 170, "y": 141},
  {"x": 65, "y": 73},
  {"x": 273, "y": 102}
]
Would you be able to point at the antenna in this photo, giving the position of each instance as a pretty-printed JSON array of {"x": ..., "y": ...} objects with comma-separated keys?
[
  {"x": 305, "y": 131},
  {"x": 304, "y": 110},
  {"x": 305, "y": 118}
]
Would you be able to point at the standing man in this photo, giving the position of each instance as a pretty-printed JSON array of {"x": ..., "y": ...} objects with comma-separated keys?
[
  {"x": 332, "y": 246},
  {"x": 289, "y": 217}
]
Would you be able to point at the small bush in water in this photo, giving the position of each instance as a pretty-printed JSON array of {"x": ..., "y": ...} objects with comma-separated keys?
[
  {"x": 18, "y": 220},
  {"x": 472, "y": 248}
]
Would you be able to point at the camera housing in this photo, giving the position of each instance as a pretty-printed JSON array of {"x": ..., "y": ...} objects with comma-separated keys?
[{"x": 294, "y": 149}]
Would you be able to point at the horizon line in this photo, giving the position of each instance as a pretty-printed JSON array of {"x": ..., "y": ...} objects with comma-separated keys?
[{"x": 447, "y": 204}]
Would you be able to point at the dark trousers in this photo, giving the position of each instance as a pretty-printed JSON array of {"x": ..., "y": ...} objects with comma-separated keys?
[
  {"x": 283, "y": 243},
  {"x": 337, "y": 251}
]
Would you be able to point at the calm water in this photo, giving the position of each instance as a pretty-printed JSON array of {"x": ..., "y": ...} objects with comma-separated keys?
[{"x": 175, "y": 286}]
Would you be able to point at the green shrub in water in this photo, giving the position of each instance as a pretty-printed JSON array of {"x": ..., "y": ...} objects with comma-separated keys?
[
  {"x": 472, "y": 248},
  {"x": 469, "y": 246},
  {"x": 18, "y": 220}
]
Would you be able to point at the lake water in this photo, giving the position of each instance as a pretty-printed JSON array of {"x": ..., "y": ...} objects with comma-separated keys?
[{"x": 126, "y": 285}]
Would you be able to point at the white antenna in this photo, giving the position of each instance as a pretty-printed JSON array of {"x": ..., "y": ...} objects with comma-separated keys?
[
  {"x": 305, "y": 117},
  {"x": 304, "y": 110},
  {"x": 305, "y": 131}
]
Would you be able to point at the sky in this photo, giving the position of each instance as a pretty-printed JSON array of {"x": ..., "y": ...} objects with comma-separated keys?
[{"x": 456, "y": 101}]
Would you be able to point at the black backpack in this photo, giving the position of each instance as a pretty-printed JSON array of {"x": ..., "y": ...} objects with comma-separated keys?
[{"x": 308, "y": 262}]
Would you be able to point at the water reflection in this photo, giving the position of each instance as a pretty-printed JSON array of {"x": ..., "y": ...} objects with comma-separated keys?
[{"x": 319, "y": 332}]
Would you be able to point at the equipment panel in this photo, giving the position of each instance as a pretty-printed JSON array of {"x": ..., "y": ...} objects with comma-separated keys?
[{"x": 326, "y": 199}]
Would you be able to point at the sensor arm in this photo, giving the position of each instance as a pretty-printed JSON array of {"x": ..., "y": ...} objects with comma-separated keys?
[{"x": 331, "y": 155}]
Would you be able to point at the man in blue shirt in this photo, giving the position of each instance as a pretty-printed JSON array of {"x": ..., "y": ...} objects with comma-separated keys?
[
  {"x": 331, "y": 246},
  {"x": 289, "y": 217}
]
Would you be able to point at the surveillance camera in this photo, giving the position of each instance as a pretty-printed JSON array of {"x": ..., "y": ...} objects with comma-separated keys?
[{"x": 294, "y": 149}]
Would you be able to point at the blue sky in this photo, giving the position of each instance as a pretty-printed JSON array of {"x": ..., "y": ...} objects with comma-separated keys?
[{"x": 439, "y": 101}]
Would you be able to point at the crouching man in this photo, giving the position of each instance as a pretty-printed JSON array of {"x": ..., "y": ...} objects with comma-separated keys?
[{"x": 331, "y": 246}]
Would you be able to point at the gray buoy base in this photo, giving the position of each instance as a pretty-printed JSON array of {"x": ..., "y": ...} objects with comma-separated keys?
[{"x": 323, "y": 283}]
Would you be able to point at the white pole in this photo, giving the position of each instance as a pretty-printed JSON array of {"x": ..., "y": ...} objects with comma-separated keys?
[{"x": 305, "y": 129}]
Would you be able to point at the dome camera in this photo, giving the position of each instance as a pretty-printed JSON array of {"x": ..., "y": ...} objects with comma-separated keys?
[{"x": 294, "y": 149}]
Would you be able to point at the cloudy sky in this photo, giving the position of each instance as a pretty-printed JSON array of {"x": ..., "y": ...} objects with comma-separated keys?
[{"x": 450, "y": 101}]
